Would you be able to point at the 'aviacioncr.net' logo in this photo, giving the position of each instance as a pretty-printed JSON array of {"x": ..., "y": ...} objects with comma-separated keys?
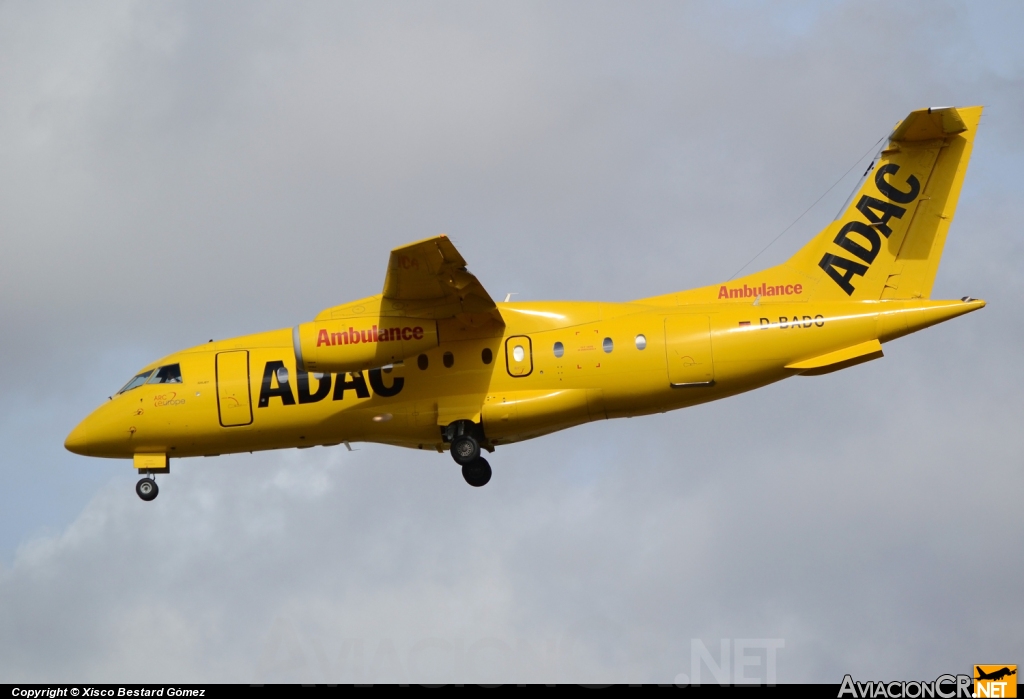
[{"x": 995, "y": 681}]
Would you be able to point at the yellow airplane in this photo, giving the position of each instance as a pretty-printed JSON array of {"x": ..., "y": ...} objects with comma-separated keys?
[{"x": 434, "y": 363}]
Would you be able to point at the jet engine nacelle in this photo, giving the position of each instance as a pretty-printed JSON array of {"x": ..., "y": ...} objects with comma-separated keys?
[{"x": 355, "y": 344}]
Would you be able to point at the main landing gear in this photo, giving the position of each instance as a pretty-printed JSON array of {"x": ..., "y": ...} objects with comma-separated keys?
[
  {"x": 465, "y": 437},
  {"x": 147, "y": 490},
  {"x": 477, "y": 473},
  {"x": 465, "y": 449}
]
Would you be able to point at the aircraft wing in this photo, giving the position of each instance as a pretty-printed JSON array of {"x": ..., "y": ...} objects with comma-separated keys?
[{"x": 428, "y": 279}]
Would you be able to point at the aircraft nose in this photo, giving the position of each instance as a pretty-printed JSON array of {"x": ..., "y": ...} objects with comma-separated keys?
[{"x": 78, "y": 441}]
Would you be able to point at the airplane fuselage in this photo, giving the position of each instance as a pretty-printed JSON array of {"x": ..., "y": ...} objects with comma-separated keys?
[{"x": 578, "y": 362}]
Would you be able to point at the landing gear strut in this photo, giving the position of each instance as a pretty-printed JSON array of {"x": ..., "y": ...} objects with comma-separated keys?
[
  {"x": 477, "y": 472},
  {"x": 465, "y": 437},
  {"x": 146, "y": 489}
]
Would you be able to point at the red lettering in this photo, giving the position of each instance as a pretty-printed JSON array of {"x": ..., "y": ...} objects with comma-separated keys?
[
  {"x": 764, "y": 289},
  {"x": 417, "y": 333},
  {"x": 322, "y": 338},
  {"x": 406, "y": 333},
  {"x": 338, "y": 338},
  {"x": 353, "y": 335},
  {"x": 373, "y": 334}
]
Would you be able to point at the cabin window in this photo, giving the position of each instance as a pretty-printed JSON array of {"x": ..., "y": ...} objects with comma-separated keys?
[
  {"x": 487, "y": 356},
  {"x": 136, "y": 381},
  {"x": 641, "y": 342},
  {"x": 608, "y": 345},
  {"x": 518, "y": 353},
  {"x": 559, "y": 349},
  {"x": 448, "y": 359},
  {"x": 422, "y": 362},
  {"x": 167, "y": 374}
]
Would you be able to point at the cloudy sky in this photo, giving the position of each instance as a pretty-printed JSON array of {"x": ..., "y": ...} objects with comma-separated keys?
[{"x": 174, "y": 172}]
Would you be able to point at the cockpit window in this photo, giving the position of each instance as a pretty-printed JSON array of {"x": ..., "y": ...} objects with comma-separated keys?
[
  {"x": 137, "y": 381},
  {"x": 167, "y": 374}
]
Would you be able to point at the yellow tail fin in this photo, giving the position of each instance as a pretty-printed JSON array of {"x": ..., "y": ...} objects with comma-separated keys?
[{"x": 888, "y": 242}]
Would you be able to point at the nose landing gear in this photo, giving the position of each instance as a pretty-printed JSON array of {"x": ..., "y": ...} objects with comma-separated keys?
[
  {"x": 147, "y": 464},
  {"x": 146, "y": 489}
]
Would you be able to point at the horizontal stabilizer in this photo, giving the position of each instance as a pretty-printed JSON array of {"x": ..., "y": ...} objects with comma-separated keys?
[
  {"x": 928, "y": 124},
  {"x": 840, "y": 359}
]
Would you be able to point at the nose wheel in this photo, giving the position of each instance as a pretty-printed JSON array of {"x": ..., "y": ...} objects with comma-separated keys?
[
  {"x": 147, "y": 490},
  {"x": 477, "y": 472}
]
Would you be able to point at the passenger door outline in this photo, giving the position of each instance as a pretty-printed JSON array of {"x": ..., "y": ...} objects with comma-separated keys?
[
  {"x": 234, "y": 392},
  {"x": 519, "y": 368},
  {"x": 688, "y": 351}
]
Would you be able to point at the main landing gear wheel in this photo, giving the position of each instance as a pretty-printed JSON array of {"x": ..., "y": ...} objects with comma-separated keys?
[
  {"x": 477, "y": 473},
  {"x": 465, "y": 450},
  {"x": 147, "y": 490}
]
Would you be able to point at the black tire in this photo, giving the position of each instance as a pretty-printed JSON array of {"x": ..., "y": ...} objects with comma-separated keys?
[
  {"x": 465, "y": 449},
  {"x": 146, "y": 489},
  {"x": 477, "y": 473}
]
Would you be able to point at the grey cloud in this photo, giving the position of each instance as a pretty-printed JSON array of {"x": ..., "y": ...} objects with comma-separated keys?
[{"x": 175, "y": 172}]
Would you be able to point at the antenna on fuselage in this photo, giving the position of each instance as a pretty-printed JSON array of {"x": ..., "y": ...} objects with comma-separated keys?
[{"x": 509, "y": 295}]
